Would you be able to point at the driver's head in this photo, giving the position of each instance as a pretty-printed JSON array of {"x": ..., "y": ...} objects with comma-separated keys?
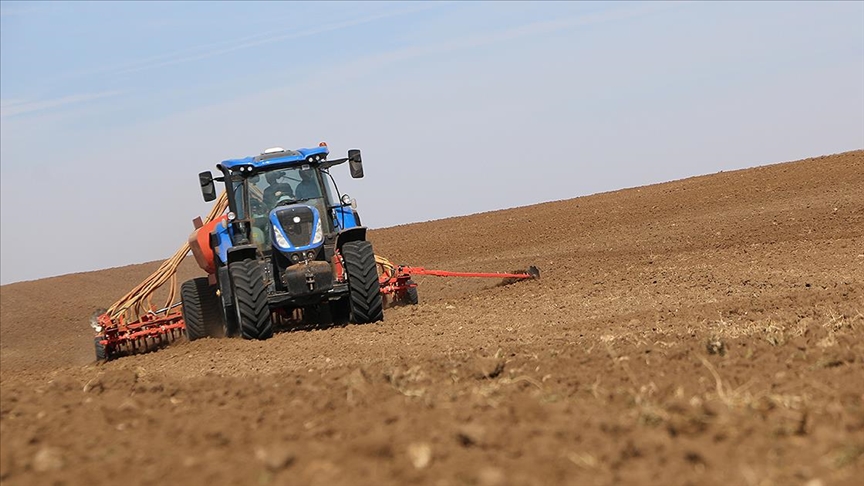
[
  {"x": 273, "y": 177},
  {"x": 306, "y": 174}
]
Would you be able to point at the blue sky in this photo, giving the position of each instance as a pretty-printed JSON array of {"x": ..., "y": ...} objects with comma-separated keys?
[{"x": 108, "y": 110}]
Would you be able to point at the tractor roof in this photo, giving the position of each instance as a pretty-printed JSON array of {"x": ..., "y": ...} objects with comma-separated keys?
[{"x": 278, "y": 157}]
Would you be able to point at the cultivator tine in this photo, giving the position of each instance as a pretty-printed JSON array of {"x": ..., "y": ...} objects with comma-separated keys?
[{"x": 146, "y": 334}]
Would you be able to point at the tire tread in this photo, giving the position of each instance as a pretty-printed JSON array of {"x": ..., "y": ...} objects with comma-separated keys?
[
  {"x": 201, "y": 311},
  {"x": 364, "y": 290},
  {"x": 250, "y": 295}
]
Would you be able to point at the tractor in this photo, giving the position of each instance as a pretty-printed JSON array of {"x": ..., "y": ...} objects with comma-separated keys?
[{"x": 290, "y": 242}]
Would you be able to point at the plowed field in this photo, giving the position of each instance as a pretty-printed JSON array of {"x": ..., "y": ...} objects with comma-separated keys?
[{"x": 703, "y": 331}]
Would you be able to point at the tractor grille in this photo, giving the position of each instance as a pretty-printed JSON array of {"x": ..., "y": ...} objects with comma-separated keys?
[{"x": 296, "y": 222}]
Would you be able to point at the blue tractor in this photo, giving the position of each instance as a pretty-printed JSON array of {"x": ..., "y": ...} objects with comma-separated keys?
[{"x": 290, "y": 242}]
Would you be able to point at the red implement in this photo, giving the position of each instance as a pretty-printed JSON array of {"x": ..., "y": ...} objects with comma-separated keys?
[
  {"x": 396, "y": 280},
  {"x": 120, "y": 338},
  {"x": 532, "y": 272}
]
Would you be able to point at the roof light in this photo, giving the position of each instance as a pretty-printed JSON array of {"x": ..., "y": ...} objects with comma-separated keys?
[
  {"x": 322, "y": 144},
  {"x": 273, "y": 150}
]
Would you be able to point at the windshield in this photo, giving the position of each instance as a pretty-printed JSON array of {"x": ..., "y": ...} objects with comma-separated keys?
[{"x": 263, "y": 191}]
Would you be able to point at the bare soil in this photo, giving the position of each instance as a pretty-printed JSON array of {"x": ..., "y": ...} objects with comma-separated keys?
[{"x": 698, "y": 332}]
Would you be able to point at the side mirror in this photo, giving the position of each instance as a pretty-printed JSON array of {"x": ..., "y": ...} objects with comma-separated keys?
[
  {"x": 208, "y": 188},
  {"x": 355, "y": 162}
]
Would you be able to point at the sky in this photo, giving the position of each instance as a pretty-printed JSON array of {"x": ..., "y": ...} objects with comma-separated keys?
[{"x": 109, "y": 110}]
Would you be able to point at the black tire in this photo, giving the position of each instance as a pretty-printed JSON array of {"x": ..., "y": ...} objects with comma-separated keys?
[
  {"x": 364, "y": 292},
  {"x": 201, "y": 309},
  {"x": 250, "y": 300},
  {"x": 411, "y": 295},
  {"x": 101, "y": 354}
]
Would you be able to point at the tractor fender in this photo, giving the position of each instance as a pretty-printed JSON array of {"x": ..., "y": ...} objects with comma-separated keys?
[
  {"x": 220, "y": 242},
  {"x": 357, "y": 233},
  {"x": 346, "y": 217},
  {"x": 242, "y": 252}
]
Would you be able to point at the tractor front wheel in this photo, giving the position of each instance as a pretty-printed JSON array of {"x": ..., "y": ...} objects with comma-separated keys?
[
  {"x": 364, "y": 291},
  {"x": 250, "y": 299}
]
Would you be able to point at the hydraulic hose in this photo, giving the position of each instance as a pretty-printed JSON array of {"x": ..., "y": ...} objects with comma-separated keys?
[{"x": 139, "y": 301}]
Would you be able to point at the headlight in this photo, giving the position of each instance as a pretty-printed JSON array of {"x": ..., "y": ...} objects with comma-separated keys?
[
  {"x": 280, "y": 240},
  {"x": 319, "y": 234}
]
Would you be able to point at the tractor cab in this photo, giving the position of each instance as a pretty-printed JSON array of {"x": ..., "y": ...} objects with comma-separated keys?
[
  {"x": 288, "y": 198},
  {"x": 288, "y": 206}
]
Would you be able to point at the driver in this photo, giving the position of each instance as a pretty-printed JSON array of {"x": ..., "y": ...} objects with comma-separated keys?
[
  {"x": 277, "y": 189},
  {"x": 307, "y": 189}
]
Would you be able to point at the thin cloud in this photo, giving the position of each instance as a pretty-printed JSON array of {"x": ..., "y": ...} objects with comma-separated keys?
[
  {"x": 223, "y": 47},
  {"x": 258, "y": 42},
  {"x": 373, "y": 62},
  {"x": 15, "y": 107}
]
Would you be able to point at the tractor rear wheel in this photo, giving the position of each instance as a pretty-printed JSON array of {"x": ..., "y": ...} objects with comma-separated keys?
[
  {"x": 201, "y": 309},
  {"x": 250, "y": 299},
  {"x": 364, "y": 291}
]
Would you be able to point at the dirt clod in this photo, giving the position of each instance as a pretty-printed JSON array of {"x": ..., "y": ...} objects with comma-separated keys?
[
  {"x": 471, "y": 435},
  {"x": 486, "y": 368},
  {"x": 420, "y": 454},
  {"x": 716, "y": 346},
  {"x": 48, "y": 459}
]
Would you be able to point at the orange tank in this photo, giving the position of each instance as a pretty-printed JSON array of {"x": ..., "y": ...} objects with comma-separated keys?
[{"x": 199, "y": 242}]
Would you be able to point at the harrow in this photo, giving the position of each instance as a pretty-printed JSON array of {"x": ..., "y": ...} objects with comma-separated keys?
[
  {"x": 152, "y": 330},
  {"x": 132, "y": 325}
]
